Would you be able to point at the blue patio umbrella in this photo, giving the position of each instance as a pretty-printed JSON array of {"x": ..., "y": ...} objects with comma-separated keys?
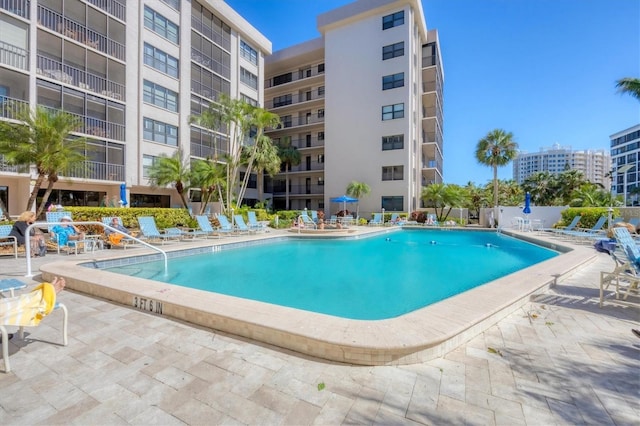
[
  {"x": 527, "y": 204},
  {"x": 344, "y": 199},
  {"x": 123, "y": 194}
]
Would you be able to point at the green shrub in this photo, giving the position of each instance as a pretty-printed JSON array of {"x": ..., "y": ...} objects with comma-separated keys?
[{"x": 590, "y": 215}]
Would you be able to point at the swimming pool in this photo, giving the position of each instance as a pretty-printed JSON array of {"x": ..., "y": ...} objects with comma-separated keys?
[
  {"x": 373, "y": 278},
  {"x": 417, "y": 336}
]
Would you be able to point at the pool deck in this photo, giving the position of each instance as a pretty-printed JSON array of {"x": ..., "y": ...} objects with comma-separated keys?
[{"x": 557, "y": 359}]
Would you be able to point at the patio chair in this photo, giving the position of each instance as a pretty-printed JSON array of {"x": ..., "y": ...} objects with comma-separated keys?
[
  {"x": 225, "y": 225},
  {"x": 314, "y": 215},
  {"x": 595, "y": 231},
  {"x": 570, "y": 227},
  {"x": 254, "y": 224},
  {"x": 56, "y": 217},
  {"x": 7, "y": 240},
  {"x": 306, "y": 221},
  {"x": 206, "y": 228},
  {"x": 377, "y": 220},
  {"x": 626, "y": 274},
  {"x": 431, "y": 220},
  {"x": 152, "y": 233},
  {"x": 242, "y": 226},
  {"x": 26, "y": 310},
  {"x": 126, "y": 239}
]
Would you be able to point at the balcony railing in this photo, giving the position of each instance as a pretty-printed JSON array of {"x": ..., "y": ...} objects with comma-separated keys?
[
  {"x": 303, "y": 143},
  {"x": 85, "y": 80},
  {"x": 96, "y": 170},
  {"x": 17, "y": 7},
  {"x": 6, "y": 167},
  {"x": 96, "y": 127},
  {"x": 14, "y": 56},
  {"x": 69, "y": 28},
  {"x": 112, "y": 7},
  {"x": 10, "y": 107},
  {"x": 295, "y": 76},
  {"x": 314, "y": 189},
  {"x": 210, "y": 63},
  {"x": 212, "y": 34},
  {"x": 301, "y": 121},
  {"x": 307, "y": 168},
  {"x": 295, "y": 99}
]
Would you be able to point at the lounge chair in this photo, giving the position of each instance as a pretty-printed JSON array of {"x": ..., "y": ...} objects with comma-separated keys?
[
  {"x": 126, "y": 239},
  {"x": 254, "y": 224},
  {"x": 626, "y": 274},
  {"x": 242, "y": 226},
  {"x": 70, "y": 245},
  {"x": 377, "y": 220},
  {"x": 225, "y": 225},
  {"x": 26, "y": 310},
  {"x": 7, "y": 240},
  {"x": 431, "y": 220},
  {"x": 314, "y": 215},
  {"x": 569, "y": 227},
  {"x": 150, "y": 230},
  {"x": 306, "y": 221},
  {"x": 587, "y": 233},
  {"x": 206, "y": 227}
]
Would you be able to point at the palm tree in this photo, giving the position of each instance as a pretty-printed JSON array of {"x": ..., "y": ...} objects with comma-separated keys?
[
  {"x": 439, "y": 196},
  {"x": 495, "y": 150},
  {"x": 629, "y": 85},
  {"x": 289, "y": 156},
  {"x": 43, "y": 139},
  {"x": 210, "y": 177},
  {"x": 356, "y": 190},
  {"x": 266, "y": 160},
  {"x": 171, "y": 171}
]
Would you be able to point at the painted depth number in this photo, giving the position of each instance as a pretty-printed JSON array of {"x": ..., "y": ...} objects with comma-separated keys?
[{"x": 147, "y": 305}]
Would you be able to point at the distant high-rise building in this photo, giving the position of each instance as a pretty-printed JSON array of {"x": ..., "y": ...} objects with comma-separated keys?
[
  {"x": 361, "y": 103},
  {"x": 594, "y": 164},
  {"x": 625, "y": 159}
]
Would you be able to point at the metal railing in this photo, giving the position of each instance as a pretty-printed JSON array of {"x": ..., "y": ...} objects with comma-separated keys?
[
  {"x": 97, "y": 170},
  {"x": 43, "y": 224},
  {"x": 17, "y": 7},
  {"x": 295, "y": 76},
  {"x": 11, "y": 107},
  {"x": 293, "y": 100},
  {"x": 14, "y": 56},
  {"x": 112, "y": 7}
]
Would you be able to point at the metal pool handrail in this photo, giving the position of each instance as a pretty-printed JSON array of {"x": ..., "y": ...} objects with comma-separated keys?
[{"x": 39, "y": 224}]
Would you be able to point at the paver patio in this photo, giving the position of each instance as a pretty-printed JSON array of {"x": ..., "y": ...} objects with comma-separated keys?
[{"x": 559, "y": 360}]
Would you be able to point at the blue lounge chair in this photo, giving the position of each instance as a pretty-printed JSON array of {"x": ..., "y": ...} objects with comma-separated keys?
[
  {"x": 587, "y": 233},
  {"x": 7, "y": 240},
  {"x": 254, "y": 224},
  {"x": 242, "y": 226},
  {"x": 56, "y": 216},
  {"x": 626, "y": 275},
  {"x": 150, "y": 230},
  {"x": 306, "y": 221},
  {"x": 314, "y": 215},
  {"x": 225, "y": 225},
  {"x": 569, "y": 227},
  {"x": 207, "y": 228},
  {"x": 377, "y": 220}
]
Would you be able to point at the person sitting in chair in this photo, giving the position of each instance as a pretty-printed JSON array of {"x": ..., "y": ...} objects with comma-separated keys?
[
  {"x": 19, "y": 230},
  {"x": 66, "y": 232},
  {"x": 115, "y": 237}
]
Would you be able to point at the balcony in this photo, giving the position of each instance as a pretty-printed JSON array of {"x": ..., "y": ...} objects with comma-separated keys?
[
  {"x": 293, "y": 100},
  {"x": 292, "y": 77},
  {"x": 300, "y": 121},
  {"x": 78, "y": 32},
  {"x": 14, "y": 56},
  {"x": 304, "y": 143},
  {"x": 219, "y": 38},
  {"x": 9, "y": 107},
  {"x": 97, "y": 170},
  {"x": 112, "y": 7},
  {"x": 313, "y": 167},
  {"x": 210, "y": 63},
  {"x": 281, "y": 190},
  {"x": 84, "y": 80},
  {"x": 99, "y": 128},
  {"x": 6, "y": 167},
  {"x": 17, "y": 7}
]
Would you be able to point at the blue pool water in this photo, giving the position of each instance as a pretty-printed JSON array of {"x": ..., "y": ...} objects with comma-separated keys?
[{"x": 379, "y": 277}]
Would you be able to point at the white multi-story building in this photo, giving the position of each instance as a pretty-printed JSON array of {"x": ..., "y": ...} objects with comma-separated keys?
[
  {"x": 133, "y": 72},
  {"x": 361, "y": 103},
  {"x": 594, "y": 164},
  {"x": 625, "y": 160}
]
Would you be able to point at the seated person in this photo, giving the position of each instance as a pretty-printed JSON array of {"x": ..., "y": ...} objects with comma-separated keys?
[
  {"x": 19, "y": 230},
  {"x": 67, "y": 232},
  {"x": 112, "y": 236}
]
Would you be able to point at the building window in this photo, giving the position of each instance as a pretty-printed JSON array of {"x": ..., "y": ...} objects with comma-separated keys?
[
  {"x": 392, "y": 173},
  {"x": 393, "y": 50},
  {"x": 393, "y": 204},
  {"x": 391, "y": 112},
  {"x": 320, "y": 181},
  {"x": 320, "y": 136},
  {"x": 321, "y": 91},
  {"x": 320, "y": 68},
  {"x": 320, "y": 113},
  {"x": 248, "y": 52},
  {"x": 393, "y": 81},
  {"x": 282, "y": 79},
  {"x": 160, "y": 96},
  {"x": 283, "y": 100},
  {"x": 161, "y": 25},
  {"x": 249, "y": 100},
  {"x": 393, "y": 20},
  {"x": 392, "y": 142},
  {"x": 249, "y": 78},
  {"x": 286, "y": 121},
  {"x": 161, "y": 61},
  {"x": 175, "y": 4},
  {"x": 160, "y": 132},
  {"x": 320, "y": 158},
  {"x": 147, "y": 162}
]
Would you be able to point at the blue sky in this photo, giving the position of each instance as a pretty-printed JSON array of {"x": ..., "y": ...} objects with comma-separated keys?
[{"x": 544, "y": 70}]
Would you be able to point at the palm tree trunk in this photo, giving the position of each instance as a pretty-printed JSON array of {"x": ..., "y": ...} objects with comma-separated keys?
[
  {"x": 34, "y": 192},
  {"x": 495, "y": 186},
  {"x": 286, "y": 184},
  {"x": 45, "y": 198}
]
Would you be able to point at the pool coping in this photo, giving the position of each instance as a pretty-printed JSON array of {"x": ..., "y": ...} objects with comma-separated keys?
[{"x": 417, "y": 336}]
